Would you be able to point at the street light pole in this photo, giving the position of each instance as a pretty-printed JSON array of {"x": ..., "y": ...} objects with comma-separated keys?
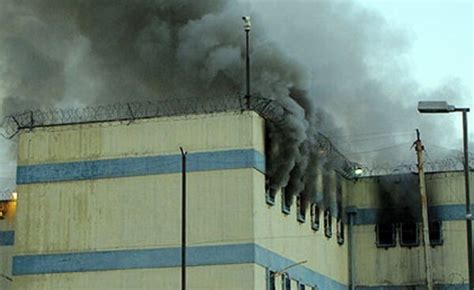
[
  {"x": 468, "y": 197},
  {"x": 247, "y": 26},
  {"x": 183, "y": 218},
  {"x": 444, "y": 107}
]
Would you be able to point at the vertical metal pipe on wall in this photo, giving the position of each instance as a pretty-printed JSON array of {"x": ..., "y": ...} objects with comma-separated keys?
[{"x": 351, "y": 213}]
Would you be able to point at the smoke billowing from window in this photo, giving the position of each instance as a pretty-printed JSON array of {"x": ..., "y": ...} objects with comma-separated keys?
[{"x": 334, "y": 67}]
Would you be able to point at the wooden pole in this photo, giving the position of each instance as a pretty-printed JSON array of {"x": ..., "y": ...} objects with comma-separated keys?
[{"x": 424, "y": 211}]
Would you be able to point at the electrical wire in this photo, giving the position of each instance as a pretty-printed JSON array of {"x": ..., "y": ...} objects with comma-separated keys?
[{"x": 379, "y": 149}]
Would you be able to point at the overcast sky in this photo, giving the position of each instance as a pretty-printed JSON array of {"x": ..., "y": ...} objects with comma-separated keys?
[{"x": 442, "y": 37}]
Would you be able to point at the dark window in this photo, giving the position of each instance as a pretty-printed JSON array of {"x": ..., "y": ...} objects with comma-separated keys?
[
  {"x": 327, "y": 223},
  {"x": 270, "y": 280},
  {"x": 269, "y": 192},
  {"x": 285, "y": 282},
  {"x": 315, "y": 216},
  {"x": 315, "y": 287},
  {"x": 301, "y": 286},
  {"x": 285, "y": 201},
  {"x": 385, "y": 235},
  {"x": 340, "y": 231},
  {"x": 301, "y": 213},
  {"x": 409, "y": 234},
  {"x": 436, "y": 235}
]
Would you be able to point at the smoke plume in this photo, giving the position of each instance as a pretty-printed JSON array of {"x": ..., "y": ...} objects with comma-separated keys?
[{"x": 332, "y": 66}]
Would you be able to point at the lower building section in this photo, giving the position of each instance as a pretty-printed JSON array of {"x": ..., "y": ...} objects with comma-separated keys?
[
  {"x": 238, "y": 277},
  {"x": 236, "y": 266}
]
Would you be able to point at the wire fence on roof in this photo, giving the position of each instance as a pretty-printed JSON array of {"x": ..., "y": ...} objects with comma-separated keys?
[{"x": 269, "y": 109}]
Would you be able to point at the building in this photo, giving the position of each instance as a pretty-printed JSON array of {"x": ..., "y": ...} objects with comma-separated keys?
[{"x": 99, "y": 207}]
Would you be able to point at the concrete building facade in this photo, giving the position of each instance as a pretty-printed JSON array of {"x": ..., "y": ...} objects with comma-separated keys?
[{"x": 99, "y": 207}]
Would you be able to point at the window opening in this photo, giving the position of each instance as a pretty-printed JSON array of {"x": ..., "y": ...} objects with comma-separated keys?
[
  {"x": 409, "y": 234},
  {"x": 271, "y": 280},
  {"x": 327, "y": 223},
  {"x": 385, "y": 235},
  {"x": 340, "y": 231},
  {"x": 301, "y": 286},
  {"x": 285, "y": 201},
  {"x": 286, "y": 282},
  {"x": 315, "y": 216},
  {"x": 269, "y": 192},
  {"x": 436, "y": 235},
  {"x": 301, "y": 212}
]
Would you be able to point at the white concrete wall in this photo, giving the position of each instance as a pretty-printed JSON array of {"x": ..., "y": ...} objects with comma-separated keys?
[
  {"x": 405, "y": 266},
  {"x": 138, "y": 212}
]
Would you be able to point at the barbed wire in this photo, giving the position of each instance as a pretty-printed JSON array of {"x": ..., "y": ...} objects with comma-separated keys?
[
  {"x": 269, "y": 109},
  {"x": 432, "y": 166}
]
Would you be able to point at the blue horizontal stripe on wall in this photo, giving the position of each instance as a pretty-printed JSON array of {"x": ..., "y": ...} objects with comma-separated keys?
[
  {"x": 7, "y": 238},
  {"x": 168, "y": 257},
  {"x": 131, "y": 259},
  {"x": 139, "y": 166},
  {"x": 276, "y": 262},
  {"x": 449, "y": 212}
]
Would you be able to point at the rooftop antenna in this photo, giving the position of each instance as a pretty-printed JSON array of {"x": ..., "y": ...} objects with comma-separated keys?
[{"x": 247, "y": 26}]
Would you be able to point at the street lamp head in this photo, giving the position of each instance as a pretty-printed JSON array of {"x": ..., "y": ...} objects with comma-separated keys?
[
  {"x": 358, "y": 171},
  {"x": 435, "y": 107},
  {"x": 247, "y": 23}
]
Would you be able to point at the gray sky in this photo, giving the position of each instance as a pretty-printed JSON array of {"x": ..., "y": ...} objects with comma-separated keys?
[
  {"x": 441, "y": 44},
  {"x": 442, "y": 37}
]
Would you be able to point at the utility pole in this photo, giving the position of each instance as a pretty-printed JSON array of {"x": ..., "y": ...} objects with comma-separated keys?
[
  {"x": 183, "y": 219},
  {"x": 424, "y": 210}
]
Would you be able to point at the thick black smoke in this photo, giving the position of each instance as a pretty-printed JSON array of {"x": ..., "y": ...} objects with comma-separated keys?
[
  {"x": 399, "y": 199},
  {"x": 56, "y": 53},
  {"x": 59, "y": 53}
]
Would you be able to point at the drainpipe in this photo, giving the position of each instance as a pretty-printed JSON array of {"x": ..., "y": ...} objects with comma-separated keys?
[{"x": 351, "y": 214}]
